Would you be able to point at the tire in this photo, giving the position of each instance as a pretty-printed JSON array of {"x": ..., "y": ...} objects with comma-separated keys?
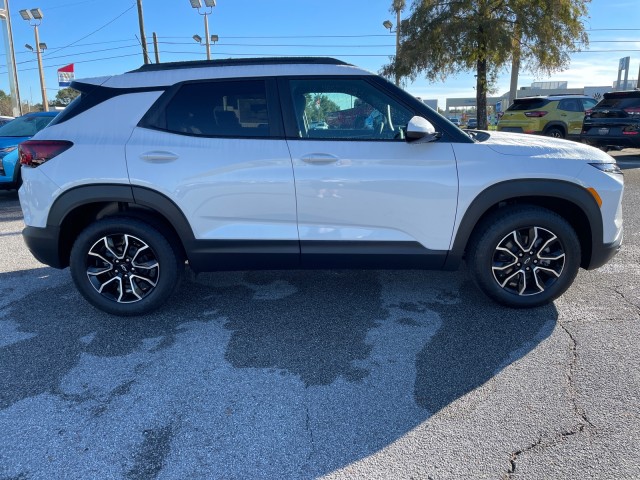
[
  {"x": 555, "y": 132},
  {"x": 124, "y": 266},
  {"x": 524, "y": 256}
]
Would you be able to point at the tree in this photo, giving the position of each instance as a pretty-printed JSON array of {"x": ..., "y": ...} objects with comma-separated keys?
[
  {"x": 65, "y": 96},
  {"x": 446, "y": 37},
  {"x": 318, "y": 106},
  {"x": 5, "y": 104}
]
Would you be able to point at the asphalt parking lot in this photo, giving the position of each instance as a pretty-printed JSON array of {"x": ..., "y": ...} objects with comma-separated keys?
[{"x": 335, "y": 374}]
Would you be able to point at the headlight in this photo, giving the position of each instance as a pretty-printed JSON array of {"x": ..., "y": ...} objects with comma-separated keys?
[{"x": 607, "y": 167}]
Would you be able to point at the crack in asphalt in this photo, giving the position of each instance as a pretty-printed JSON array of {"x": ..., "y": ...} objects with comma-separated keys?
[
  {"x": 547, "y": 441},
  {"x": 626, "y": 300},
  {"x": 310, "y": 430}
]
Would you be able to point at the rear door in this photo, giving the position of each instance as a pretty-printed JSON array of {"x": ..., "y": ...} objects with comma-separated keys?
[
  {"x": 364, "y": 194},
  {"x": 216, "y": 149}
]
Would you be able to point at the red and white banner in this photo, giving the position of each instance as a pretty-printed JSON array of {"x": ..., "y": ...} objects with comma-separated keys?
[{"x": 65, "y": 75}]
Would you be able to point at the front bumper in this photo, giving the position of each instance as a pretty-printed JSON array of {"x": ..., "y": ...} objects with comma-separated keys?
[{"x": 602, "y": 253}]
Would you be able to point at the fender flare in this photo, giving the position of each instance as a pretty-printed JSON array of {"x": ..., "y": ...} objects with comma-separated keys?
[
  {"x": 135, "y": 195},
  {"x": 518, "y": 189}
]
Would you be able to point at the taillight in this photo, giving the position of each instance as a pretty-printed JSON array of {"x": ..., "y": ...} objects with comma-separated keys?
[
  {"x": 632, "y": 110},
  {"x": 535, "y": 114},
  {"x": 588, "y": 113},
  {"x": 34, "y": 153}
]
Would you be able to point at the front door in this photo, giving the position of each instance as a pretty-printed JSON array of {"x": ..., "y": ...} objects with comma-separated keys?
[{"x": 362, "y": 191}]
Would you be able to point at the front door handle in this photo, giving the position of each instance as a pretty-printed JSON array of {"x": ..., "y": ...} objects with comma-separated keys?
[
  {"x": 158, "y": 156},
  {"x": 320, "y": 158}
]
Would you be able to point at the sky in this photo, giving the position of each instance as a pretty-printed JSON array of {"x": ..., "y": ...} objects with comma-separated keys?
[{"x": 103, "y": 40}]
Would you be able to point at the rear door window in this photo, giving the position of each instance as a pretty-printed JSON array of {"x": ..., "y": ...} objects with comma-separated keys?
[{"x": 217, "y": 109}]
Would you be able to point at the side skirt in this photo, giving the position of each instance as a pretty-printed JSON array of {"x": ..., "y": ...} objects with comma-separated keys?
[{"x": 220, "y": 255}]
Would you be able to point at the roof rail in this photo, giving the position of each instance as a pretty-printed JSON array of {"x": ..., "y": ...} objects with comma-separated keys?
[{"x": 155, "y": 67}]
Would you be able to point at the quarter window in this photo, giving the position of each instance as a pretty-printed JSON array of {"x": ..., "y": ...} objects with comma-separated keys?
[{"x": 223, "y": 108}]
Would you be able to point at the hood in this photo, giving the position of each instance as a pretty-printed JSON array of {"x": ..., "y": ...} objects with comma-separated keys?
[
  {"x": 11, "y": 141},
  {"x": 520, "y": 144}
]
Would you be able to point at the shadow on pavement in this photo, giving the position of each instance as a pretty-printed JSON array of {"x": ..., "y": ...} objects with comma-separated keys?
[{"x": 263, "y": 374}]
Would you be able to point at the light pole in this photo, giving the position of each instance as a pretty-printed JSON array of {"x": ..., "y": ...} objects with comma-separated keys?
[
  {"x": 34, "y": 17},
  {"x": 16, "y": 103},
  {"x": 197, "y": 4},
  {"x": 389, "y": 26},
  {"x": 212, "y": 38}
]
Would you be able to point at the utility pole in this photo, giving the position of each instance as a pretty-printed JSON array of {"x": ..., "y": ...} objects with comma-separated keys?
[
  {"x": 16, "y": 103},
  {"x": 155, "y": 47},
  {"x": 143, "y": 39}
]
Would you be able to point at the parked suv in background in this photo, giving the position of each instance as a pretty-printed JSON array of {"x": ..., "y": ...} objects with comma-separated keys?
[
  {"x": 214, "y": 163},
  {"x": 614, "y": 121},
  {"x": 558, "y": 116}
]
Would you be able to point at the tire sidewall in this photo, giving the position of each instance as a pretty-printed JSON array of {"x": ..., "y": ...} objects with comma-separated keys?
[
  {"x": 501, "y": 225},
  {"x": 157, "y": 242}
]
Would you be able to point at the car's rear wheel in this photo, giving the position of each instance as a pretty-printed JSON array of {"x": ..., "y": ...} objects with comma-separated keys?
[
  {"x": 125, "y": 266},
  {"x": 524, "y": 256},
  {"x": 554, "y": 132}
]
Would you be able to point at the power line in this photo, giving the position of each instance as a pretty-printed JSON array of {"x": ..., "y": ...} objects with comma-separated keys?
[
  {"x": 282, "y": 45},
  {"x": 95, "y": 31}
]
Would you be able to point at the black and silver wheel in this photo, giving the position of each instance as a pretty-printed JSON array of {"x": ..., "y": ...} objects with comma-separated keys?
[
  {"x": 554, "y": 132},
  {"x": 524, "y": 256},
  {"x": 125, "y": 266}
]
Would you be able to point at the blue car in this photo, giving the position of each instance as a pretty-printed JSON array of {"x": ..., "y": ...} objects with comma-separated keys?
[{"x": 13, "y": 133}]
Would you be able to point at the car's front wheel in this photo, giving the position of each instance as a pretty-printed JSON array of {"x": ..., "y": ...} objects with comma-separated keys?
[
  {"x": 524, "y": 256},
  {"x": 125, "y": 266}
]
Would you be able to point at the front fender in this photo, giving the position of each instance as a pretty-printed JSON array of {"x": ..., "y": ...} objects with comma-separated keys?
[{"x": 530, "y": 191}]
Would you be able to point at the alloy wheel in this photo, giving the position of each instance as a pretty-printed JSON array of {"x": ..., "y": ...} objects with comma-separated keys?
[
  {"x": 122, "y": 268},
  {"x": 528, "y": 261}
]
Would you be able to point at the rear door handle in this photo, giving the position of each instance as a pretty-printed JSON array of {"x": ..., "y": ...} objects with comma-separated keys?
[
  {"x": 158, "y": 156},
  {"x": 320, "y": 158}
]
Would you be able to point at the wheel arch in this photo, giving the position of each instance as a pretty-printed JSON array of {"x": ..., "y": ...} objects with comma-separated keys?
[
  {"x": 572, "y": 202},
  {"x": 74, "y": 210}
]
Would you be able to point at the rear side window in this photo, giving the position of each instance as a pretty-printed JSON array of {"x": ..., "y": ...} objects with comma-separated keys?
[
  {"x": 217, "y": 108},
  {"x": 528, "y": 104}
]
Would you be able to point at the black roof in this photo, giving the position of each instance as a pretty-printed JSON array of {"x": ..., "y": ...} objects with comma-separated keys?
[
  {"x": 623, "y": 94},
  {"x": 154, "y": 67}
]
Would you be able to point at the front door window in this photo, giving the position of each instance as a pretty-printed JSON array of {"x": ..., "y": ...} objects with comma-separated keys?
[{"x": 342, "y": 109}]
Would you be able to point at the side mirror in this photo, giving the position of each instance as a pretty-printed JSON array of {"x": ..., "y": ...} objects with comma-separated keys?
[{"x": 420, "y": 128}]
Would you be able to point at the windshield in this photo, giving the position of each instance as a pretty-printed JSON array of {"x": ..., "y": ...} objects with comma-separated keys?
[{"x": 25, "y": 126}]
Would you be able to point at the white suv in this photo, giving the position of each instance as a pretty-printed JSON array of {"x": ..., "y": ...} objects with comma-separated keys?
[{"x": 215, "y": 163}]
